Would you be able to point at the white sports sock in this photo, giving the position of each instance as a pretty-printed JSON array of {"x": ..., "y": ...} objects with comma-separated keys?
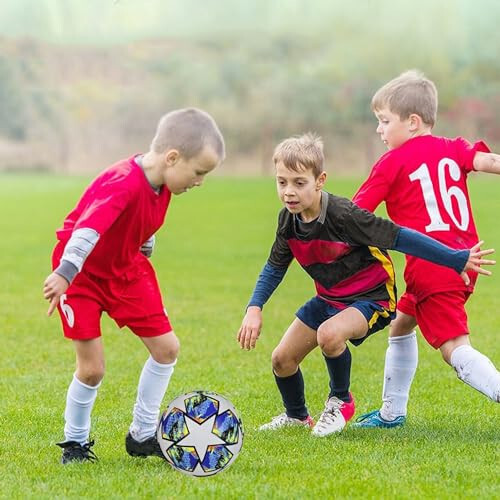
[
  {"x": 153, "y": 384},
  {"x": 476, "y": 370},
  {"x": 401, "y": 359},
  {"x": 79, "y": 403}
]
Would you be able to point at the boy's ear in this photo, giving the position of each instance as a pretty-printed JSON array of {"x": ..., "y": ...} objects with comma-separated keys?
[
  {"x": 415, "y": 121},
  {"x": 320, "y": 181},
  {"x": 171, "y": 157}
]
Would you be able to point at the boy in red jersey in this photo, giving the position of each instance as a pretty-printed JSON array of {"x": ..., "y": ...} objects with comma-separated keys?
[
  {"x": 343, "y": 249},
  {"x": 422, "y": 179},
  {"x": 100, "y": 265}
]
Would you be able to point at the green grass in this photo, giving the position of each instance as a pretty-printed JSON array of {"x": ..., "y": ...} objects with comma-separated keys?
[{"x": 208, "y": 255}]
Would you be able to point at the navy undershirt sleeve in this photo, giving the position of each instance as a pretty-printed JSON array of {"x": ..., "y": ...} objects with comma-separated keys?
[
  {"x": 419, "y": 245},
  {"x": 269, "y": 279}
]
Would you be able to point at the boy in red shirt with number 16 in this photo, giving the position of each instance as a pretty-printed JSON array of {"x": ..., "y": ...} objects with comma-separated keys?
[{"x": 422, "y": 179}]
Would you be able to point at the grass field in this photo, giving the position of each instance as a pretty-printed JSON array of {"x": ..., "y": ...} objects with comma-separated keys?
[{"x": 213, "y": 245}]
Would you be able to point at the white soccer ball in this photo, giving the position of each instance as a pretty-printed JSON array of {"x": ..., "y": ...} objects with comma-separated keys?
[{"x": 200, "y": 433}]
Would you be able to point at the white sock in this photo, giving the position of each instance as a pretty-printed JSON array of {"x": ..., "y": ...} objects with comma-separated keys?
[
  {"x": 401, "y": 359},
  {"x": 476, "y": 370},
  {"x": 153, "y": 384},
  {"x": 79, "y": 403}
]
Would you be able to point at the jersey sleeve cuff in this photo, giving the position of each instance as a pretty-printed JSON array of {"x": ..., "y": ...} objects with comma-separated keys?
[{"x": 67, "y": 270}]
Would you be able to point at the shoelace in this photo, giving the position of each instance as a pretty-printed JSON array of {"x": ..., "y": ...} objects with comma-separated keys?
[
  {"x": 332, "y": 409},
  {"x": 82, "y": 451},
  {"x": 367, "y": 416},
  {"x": 88, "y": 452},
  {"x": 278, "y": 420},
  {"x": 275, "y": 421}
]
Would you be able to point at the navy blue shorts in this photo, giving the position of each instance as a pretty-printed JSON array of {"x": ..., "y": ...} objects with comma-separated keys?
[{"x": 317, "y": 311}]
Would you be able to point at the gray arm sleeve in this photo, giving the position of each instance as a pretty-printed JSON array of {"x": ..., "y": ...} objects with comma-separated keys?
[
  {"x": 78, "y": 248},
  {"x": 147, "y": 246}
]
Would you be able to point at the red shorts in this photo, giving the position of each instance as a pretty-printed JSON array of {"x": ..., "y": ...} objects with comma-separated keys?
[
  {"x": 440, "y": 316},
  {"x": 132, "y": 300}
]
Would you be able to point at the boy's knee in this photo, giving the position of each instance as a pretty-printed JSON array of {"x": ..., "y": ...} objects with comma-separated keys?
[
  {"x": 450, "y": 345},
  {"x": 283, "y": 365},
  {"x": 328, "y": 342},
  {"x": 167, "y": 351},
  {"x": 90, "y": 374}
]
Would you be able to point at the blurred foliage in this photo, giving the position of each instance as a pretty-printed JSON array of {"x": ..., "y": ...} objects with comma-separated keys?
[{"x": 88, "y": 81}]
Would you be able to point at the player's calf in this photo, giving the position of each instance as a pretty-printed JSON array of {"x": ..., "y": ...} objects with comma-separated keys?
[{"x": 476, "y": 370}]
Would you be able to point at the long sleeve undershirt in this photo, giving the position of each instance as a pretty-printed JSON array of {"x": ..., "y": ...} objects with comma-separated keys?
[{"x": 407, "y": 241}]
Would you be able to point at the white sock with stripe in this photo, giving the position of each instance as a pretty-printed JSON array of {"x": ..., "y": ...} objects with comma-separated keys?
[
  {"x": 476, "y": 370},
  {"x": 401, "y": 359}
]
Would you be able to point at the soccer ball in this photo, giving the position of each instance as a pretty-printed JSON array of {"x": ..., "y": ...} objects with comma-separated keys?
[{"x": 200, "y": 433}]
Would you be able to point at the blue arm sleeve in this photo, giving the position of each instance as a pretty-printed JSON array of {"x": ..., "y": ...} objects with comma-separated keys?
[
  {"x": 269, "y": 279},
  {"x": 419, "y": 245}
]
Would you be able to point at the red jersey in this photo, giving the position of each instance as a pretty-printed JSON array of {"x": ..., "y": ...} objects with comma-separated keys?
[
  {"x": 124, "y": 209},
  {"x": 423, "y": 183}
]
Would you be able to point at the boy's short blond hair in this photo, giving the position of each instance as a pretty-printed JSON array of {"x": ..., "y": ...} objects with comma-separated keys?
[
  {"x": 301, "y": 152},
  {"x": 409, "y": 93},
  {"x": 189, "y": 131}
]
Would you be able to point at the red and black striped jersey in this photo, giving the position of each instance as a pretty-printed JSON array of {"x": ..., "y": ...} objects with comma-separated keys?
[{"x": 343, "y": 251}]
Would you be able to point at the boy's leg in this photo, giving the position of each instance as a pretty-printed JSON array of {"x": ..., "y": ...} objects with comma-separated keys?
[
  {"x": 80, "y": 312},
  {"x": 299, "y": 340},
  {"x": 138, "y": 304},
  {"x": 333, "y": 334},
  {"x": 153, "y": 384},
  {"x": 80, "y": 399},
  {"x": 82, "y": 391},
  {"x": 443, "y": 321},
  {"x": 472, "y": 367},
  {"x": 401, "y": 361}
]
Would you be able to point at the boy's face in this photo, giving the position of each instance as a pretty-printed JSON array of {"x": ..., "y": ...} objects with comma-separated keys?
[
  {"x": 181, "y": 174},
  {"x": 299, "y": 191},
  {"x": 393, "y": 131}
]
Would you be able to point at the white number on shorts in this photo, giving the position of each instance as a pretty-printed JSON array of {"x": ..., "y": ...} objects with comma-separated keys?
[
  {"x": 447, "y": 194},
  {"x": 67, "y": 311}
]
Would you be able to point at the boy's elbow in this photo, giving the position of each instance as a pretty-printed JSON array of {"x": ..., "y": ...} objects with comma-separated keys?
[{"x": 487, "y": 162}]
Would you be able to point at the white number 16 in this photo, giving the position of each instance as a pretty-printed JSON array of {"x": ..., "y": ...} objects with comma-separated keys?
[{"x": 437, "y": 223}]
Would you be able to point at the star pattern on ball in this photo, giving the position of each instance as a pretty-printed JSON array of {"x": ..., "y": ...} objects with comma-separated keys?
[{"x": 197, "y": 436}]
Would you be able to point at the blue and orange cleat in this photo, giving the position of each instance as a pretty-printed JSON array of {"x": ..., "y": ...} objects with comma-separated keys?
[{"x": 374, "y": 420}]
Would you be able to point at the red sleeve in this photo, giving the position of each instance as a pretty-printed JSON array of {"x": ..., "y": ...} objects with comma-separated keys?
[
  {"x": 106, "y": 202},
  {"x": 374, "y": 190},
  {"x": 467, "y": 151}
]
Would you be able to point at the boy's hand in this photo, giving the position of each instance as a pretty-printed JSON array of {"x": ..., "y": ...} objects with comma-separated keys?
[
  {"x": 53, "y": 287},
  {"x": 250, "y": 328},
  {"x": 475, "y": 262}
]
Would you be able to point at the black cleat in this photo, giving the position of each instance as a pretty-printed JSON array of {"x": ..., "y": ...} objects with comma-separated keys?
[
  {"x": 148, "y": 448},
  {"x": 76, "y": 452}
]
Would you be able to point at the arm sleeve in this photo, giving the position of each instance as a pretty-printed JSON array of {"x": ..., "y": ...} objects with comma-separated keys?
[
  {"x": 467, "y": 152},
  {"x": 361, "y": 227},
  {"x": 76, "y": 251},
  {"x": 148, "y": 246},
  {"x": 419, "y": 245},
  {"x": 269, "y": 279},
  {"x": 281, "y": 255}
]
